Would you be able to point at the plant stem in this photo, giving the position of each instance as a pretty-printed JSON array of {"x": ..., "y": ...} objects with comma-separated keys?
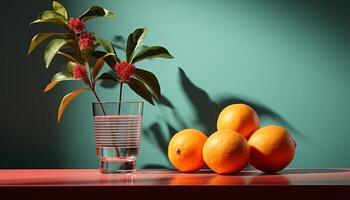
[
  {"x": 99, "y": 101},
  {"x": 119, "y": 109},
  {"x": 120, "y": 97},
  {"x": 86, "y": 63},
  {"x": 104, "y": 113},
  {"x": 92, "y": 86},
  {"x": 91, "y": 83}
]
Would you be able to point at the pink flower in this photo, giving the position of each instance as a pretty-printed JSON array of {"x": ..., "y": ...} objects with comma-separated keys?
[
  {"x": 79, "y": 72},
  {"x": 86, "y": 41},
  {"x": 76, "y": 25},
  {"x": 124, "y": 70}
]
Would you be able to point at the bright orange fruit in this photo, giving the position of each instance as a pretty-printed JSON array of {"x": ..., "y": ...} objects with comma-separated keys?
[
  {"x": 226, "y": 151},
  {"x": 271, "y": 148},
  {"x": 240, "y": 118},
  {"x": 185, "y": 150}
]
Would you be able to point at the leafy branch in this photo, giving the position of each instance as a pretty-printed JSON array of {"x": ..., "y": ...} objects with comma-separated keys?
[
  {"x": 70, "y": 45},
  {"x": 142, "y": 82},
  {"x": 86, "y": 55}
]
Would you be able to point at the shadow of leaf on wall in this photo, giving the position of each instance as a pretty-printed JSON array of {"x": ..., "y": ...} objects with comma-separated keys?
[{"x": 206, "y": 111}]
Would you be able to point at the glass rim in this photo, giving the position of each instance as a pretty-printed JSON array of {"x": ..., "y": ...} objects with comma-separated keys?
[{"x": 109, "y": 102}]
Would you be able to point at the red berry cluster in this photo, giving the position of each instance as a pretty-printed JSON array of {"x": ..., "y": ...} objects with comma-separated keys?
[
  {"x": 76, "y": 25},
  {"x": 86, "y": 40},
  {"x": 80, "y": 72},
  {"x": 125, "y": 70}
]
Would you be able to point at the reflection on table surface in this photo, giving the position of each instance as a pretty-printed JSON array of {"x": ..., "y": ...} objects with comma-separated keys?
[{"x": 92, "y": 177}]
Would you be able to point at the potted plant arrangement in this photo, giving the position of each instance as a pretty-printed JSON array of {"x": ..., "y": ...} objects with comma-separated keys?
[{"x": 117, "y": 124}]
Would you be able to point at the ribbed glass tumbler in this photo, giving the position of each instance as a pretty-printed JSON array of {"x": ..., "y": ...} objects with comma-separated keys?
[{"x": 117, "y": 127}]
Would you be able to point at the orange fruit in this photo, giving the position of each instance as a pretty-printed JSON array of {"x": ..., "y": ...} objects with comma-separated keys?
[
  {"x": 185, "y": 150},
  {"x": 271, "y": 148},
  {"x": 226, "y": 151},
  {"x": 240, "y": 118}
]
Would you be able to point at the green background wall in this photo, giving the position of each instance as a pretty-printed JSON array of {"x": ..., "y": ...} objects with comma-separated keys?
[{"x": 290, "y": 60}]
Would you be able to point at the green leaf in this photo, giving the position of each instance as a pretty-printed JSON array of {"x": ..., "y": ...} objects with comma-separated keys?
[
  {"x": 66, "y": 101},
  {"x": 59, "y": 8},
  {"x": 98, "y": 54},
  {"x": 110, "y": 60},
  {"x": 70, "y": 65},
  {"x": 95, "y": 11},
  {"x": 57, "y": 78},
  {"x": 150, "y": 80},
  {"x": 152, "y": 52},
  {"x": 50, "y": 16},
  {"x": 140, "y": 89},
  {"x": 107, "y": 45},
  {"x": 70, "y": 56},
  {"x": 56, "y": 21},
  {"x": 62, "y": 76},
  {"x": 135, "y": 40},
  {"x": 99, "y": 64},
  {"x": 39, "y": 38},
  {"x": 51, "y": 50}
]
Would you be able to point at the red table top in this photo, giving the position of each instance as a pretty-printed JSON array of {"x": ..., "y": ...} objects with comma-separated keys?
[
  {"x": 293, "y": 181},
  {"x": 92, "y": 177}
]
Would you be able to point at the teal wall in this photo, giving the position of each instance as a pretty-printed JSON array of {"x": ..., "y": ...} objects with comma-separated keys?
[{"x": 288, "y": 59}]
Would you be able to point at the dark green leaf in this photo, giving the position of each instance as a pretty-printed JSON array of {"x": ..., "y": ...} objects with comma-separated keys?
[
  {"x": 66, "y": 101},
  {"x": 99, "y": 64},
  {"x": 50, "y": 16},
  {"x": 140, "y": 89},
  {"x": 108, "y": 47},
  {"x": 110, "y": 60},
  {"x": 51, "y": 50},
  {"x": 70, "y": 56},
  {"x": 59, "y": 8},
  {"x": 152, "y": 52},
  {"x": 135, "y": 40},
  {"x": 57, "y": 78},
  {"x": 150, "y": 80},
  {"x": 39, "y": 38},
  {"x": 95, "y": 11},
  {"x": 98, "y": 54}
]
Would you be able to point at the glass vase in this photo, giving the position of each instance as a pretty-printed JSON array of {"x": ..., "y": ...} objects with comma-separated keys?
[{"x": 117, "y": 128}]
